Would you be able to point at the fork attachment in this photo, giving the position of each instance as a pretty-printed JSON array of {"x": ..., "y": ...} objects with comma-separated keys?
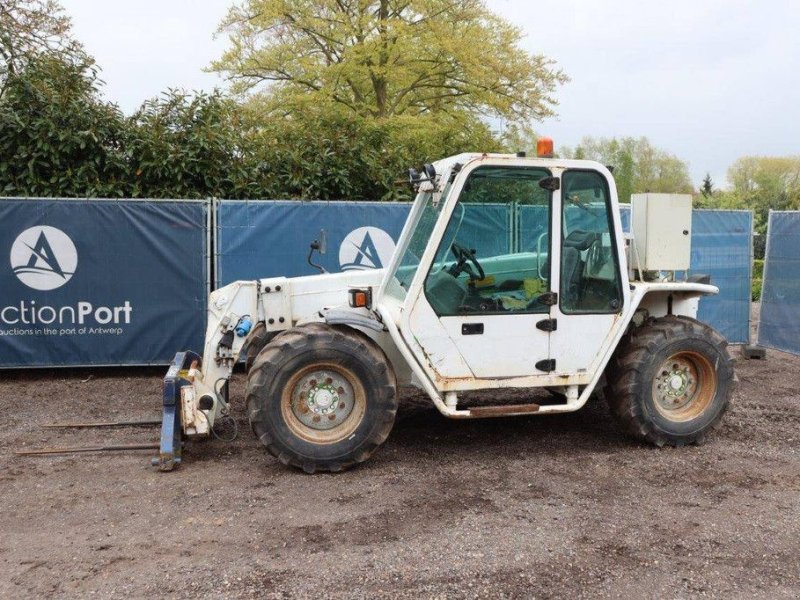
[{"x": 171, "y": 431}]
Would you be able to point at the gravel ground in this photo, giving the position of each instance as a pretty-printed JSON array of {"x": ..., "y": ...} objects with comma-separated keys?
[{"x": 560, "y": 506}]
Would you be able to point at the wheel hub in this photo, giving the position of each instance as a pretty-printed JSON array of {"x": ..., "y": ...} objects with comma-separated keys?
[
  {"x": 683, "y": 385},
  {"x": 675, "y": 384},
  {"x": 322, "y": 399}
]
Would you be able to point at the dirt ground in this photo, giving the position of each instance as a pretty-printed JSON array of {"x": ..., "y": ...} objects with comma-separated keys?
[{"x": 547, "y": 507}]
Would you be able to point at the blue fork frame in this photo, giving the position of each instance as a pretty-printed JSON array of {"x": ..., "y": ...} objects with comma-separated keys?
[{"x": 171, "y": 432}]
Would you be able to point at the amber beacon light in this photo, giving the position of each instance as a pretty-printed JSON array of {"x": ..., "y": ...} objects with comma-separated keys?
[{"x": 544, "y": 147}]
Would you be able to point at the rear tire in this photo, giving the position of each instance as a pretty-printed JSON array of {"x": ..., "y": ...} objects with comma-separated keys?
[
  {"x": 670, "y": 381},
  {"x": 321, "y": 398}
]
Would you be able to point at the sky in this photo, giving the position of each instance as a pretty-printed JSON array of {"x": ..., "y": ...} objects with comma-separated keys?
[{"x": 707, "y": 80}]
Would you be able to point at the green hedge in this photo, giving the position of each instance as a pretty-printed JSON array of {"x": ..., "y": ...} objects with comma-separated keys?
[
  {"x": 758, "y": 276},
  {"x": 59, "y": 137}
]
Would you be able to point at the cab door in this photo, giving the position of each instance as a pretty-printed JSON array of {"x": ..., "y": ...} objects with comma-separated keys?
[
  {"x": 591, "y": 296},
  {"x": 486, "y": 308}
]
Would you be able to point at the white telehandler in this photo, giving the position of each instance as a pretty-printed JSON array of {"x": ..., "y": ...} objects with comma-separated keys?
[{"x": 566, "y": 306}]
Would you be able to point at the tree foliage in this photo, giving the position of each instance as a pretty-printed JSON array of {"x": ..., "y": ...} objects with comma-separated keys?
[
  {"x": 57, "y": 136},
  {"x": 707, "y": 188},
  {"x": 336, "y": 155},
  {"x": 31, "y": 28},
  {"x": 359, "y": 91},
  {"x": 381, "y": 58},
  {"x": 761, "y": 184},
  {"x": 183, "y": 145},
  {"x": 638, "y": 165},
  {"x": 516, "y": 137}
]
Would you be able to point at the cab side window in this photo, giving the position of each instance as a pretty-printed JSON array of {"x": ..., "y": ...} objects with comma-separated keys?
[
  {"x": 485, "y": 262},
  {"x": 590, "y": 280}
]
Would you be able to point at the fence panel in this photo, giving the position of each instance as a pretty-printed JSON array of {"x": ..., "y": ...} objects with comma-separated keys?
[
  {"x": 101, "y": 282},
  {"x": 96, "y": 282},
  {"x": 779, "y": 322},
  {"x": 625, "y": 217},
  {"x": 251, "y": 246},
  {"x": 271, "y": 238},
  {"x": 486, "y": 228},
  {"x": 722, "y": 248}
]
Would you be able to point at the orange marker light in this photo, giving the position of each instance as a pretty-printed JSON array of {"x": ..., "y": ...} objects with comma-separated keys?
[
  {"x": 360, "y": 298},
  {"x": 544, "y": 147}
]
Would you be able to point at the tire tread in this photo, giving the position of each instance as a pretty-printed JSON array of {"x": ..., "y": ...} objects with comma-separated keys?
[
  {"x": 307, "y": 338},
  {"x": 625, "y": 373}
]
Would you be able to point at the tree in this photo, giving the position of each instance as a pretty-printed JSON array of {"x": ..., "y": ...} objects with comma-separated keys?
[
  {"x": 638, "y": 165},
  {"x": 761, "y": 183},
  {"x": 183, "y": 145},
  {"x": 382, "y": 58},
  {"x": 29, "y": 28},
  {"x": 341, "y": 156},
  {"x": 707, "y": 189},
  {"x": 57, "y": 136}
]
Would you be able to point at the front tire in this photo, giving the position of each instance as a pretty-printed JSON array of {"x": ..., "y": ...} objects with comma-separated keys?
[
  {"x": 671, "y": 381},
  {"x": 258, "y": 339},
  {"x": 321, "y": 398}
]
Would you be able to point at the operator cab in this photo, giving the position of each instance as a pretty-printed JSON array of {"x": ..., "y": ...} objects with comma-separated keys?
[{"x": 500, "y": 253}]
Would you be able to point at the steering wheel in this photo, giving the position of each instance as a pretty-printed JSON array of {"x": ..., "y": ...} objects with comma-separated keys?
[{"x": 465, "y": 256}]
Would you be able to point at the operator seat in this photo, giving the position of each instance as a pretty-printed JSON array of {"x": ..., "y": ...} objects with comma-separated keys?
[
  {"x": 445, "y": 292},
  {"x": 575, "y": 243},
  {"x": 572, "y": 274}
]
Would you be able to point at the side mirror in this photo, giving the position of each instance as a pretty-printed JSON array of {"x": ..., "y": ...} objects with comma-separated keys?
[
  {"x": 319, "y": 245},
  {"x": 428, "y": 174}
]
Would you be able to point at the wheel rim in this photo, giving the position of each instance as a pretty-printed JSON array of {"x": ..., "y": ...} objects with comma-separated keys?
[
  {"x": 684, "y": 386},
  {"x": 323, "y": 403}
]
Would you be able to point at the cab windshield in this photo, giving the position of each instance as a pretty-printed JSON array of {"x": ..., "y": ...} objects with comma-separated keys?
[{"x": 415, "y": 247}]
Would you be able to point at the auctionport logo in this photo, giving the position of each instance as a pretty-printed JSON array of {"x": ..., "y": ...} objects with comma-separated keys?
[
  {"x": 43, "y": 257},
  {"x": 366, "y": 248}
]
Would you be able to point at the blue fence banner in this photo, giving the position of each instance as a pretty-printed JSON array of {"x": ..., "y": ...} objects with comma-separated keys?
[
  {"x": 722, "y": 247},
  {"x": 779, "y": 321},
  {"x": 532, "y": 222},
  {"x": 125, "y": 282},
  {"x": 271, "y": 238},
  {"x": 101, "y": 282},
  {"x": 268, "y": 238},
  {"x": 486, "y": 228},
  {"x": 625, "y": 217}
]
